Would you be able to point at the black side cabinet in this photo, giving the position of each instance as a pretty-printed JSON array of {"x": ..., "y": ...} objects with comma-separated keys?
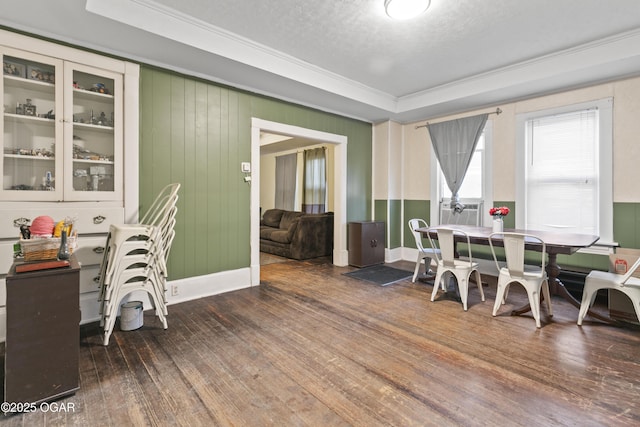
[
  {"x": 366, "y": 243},
  {"x": 43, "y": 334}
]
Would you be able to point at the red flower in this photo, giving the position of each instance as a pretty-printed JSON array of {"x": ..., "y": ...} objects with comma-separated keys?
[{"x": 500, "y": 211}]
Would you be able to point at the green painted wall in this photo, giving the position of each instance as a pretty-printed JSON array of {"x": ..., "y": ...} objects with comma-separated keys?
[
  {"x": 380, "y": 214},
  {"x": 415, "y": 209},
  {"x": 395, "y": 224},
  {"x": 197, "y": 133}
]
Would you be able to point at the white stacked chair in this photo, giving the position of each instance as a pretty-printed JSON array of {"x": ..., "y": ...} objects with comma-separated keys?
[{"x": 135, "y": 259}]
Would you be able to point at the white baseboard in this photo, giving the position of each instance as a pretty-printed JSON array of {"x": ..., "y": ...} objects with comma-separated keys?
[
  {"x": 211, "y": 284},
  {"x": 187, "y": 289},
  {"x": 340, "y": 257},
  {"x": 393, "y": 255}
]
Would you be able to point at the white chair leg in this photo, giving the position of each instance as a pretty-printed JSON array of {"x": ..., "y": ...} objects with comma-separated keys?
[
  {"x": 588, "y": 298},
  {"x": 463, "y": 288},
  {"x": 417, "y": 269},
  {"x": 443, "y": 283},
  {"x": 436, "y": 285},
  {"x": 427, "y": 266},
  {"x": 500, "y": 296},
  {"x": 634, "y": 294},
  {"x": 534, "y": 303},
  {"x": 547, "y": 297},
  {"x": 479, "y": 281}
]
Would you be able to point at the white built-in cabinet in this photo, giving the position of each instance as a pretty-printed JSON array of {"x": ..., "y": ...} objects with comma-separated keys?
[{"x": 69, "y": 138}]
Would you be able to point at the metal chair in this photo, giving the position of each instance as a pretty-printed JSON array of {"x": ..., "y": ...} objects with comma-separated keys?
[
  {"x": 459, "y": 268},
  {"x": 135, "y": 259},
  {"x": 532, "y": 278},
  {"x": 424, "y": 254},
  {"x": 625, "y": 283}
]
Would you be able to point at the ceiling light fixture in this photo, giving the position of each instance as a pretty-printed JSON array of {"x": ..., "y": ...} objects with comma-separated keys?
[{"x": 405, "y": 9}]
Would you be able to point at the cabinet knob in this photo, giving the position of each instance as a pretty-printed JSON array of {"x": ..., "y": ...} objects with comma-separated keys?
[
  {"x": 98, "y": 249},
  {"x": 97, "y": 279},
  {"x": 374, "y": 243},
  {"x": 98, "y": 219}
]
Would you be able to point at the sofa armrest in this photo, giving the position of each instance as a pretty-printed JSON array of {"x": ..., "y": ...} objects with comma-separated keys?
[{"x": 313, "y": 236}]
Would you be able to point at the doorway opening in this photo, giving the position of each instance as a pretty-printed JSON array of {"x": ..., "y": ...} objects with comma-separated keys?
[{"x": 339, "y": 199}]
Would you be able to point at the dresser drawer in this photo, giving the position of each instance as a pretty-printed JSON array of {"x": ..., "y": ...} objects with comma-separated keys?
[
  {"x": 98, "y": 220},
  {"x": 88, "y": 220},
  {"x": 88, "y": 279},
  {"x": 90, "y": 250}
]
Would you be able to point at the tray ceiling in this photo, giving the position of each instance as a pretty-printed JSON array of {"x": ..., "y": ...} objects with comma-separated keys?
[{"x": 348, "y": 57}]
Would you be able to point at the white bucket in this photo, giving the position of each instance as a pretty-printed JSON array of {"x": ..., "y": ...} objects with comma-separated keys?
[{"x": 131, "y": 316}]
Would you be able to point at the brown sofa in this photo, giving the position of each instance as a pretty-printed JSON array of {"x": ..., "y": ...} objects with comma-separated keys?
[{"x": 296, "y": 235}]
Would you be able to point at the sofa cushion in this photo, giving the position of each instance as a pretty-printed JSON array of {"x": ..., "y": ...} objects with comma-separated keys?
[
  {"x": 288, "y": 217},
  {"x": 281, "y": 236},
  {"x": 272, "y": 217},
  {"x": 266, "y": 232}
]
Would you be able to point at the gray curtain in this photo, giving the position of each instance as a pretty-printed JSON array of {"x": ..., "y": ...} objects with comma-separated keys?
[
  {"x": 454, "y": 143},
  {"x": 315, "y": 181},
  {"x": 286, "y": 178}
]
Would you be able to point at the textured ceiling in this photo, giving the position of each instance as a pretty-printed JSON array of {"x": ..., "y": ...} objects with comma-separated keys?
[
  {"x": 348, "y": 57},
  {"x": 452, "y": 41}
]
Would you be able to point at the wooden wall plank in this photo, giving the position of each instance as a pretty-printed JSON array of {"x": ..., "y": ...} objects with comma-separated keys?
[{"x": 197, "y": 133}]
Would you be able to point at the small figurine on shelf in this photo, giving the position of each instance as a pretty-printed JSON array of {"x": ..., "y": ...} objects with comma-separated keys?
[
  {"x": 100, "y": 88},
  {"x": 29, "y": 108}
]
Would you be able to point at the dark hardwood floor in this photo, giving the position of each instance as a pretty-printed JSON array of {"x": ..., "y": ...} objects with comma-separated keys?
[{"x": 312, "y": 347}]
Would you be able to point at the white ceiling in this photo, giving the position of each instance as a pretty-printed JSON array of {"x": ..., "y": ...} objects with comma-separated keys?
[{"x": 348, "y": 57}]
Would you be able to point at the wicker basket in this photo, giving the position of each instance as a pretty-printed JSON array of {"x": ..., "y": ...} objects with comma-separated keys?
[{"x": 43, "y": 248}]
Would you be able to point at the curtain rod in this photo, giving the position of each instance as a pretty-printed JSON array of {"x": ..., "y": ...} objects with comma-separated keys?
[{"x": 497, "y": 112}]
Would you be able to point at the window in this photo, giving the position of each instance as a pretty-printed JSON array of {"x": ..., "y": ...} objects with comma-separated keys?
[
  {"x": 565, "y": 178},
  {"x": 477, "y": 185},
  {"x": 471, "y": 188}
]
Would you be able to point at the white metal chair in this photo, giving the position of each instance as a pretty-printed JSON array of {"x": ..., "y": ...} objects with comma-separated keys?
[
  {"x": 135, "y": 259},
  {"x": 424, "y": 254},
  {"x": 625, "y": 283},
  {"x": 459, "y": 268},
  {"x": 532, "y": 278}
]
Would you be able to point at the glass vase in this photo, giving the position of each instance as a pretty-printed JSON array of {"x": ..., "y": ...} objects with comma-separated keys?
[{"x": 63, "y": 252}]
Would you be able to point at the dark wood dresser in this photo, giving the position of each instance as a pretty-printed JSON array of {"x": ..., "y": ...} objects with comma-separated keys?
[{"x": 43, "y": 334}]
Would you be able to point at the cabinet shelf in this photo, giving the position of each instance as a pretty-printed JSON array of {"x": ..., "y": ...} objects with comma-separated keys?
[
  {"x": 21, "y": 82},
  {"x": 94, "y": 128},
  {"x": 27, "y": 157},
  {"x": 23, "y": 119},
  {"x": 90, "y": 95},
  {"x": 94, "y": 162}
]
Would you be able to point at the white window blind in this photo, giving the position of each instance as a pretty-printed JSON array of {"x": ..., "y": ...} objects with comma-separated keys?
[{"x": 562, "y": 172}]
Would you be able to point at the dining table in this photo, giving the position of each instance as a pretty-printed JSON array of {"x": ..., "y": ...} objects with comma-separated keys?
[{"x": 556, "y": 243}]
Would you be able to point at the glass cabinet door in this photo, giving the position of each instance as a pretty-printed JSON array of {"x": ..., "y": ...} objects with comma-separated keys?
[
  {"x": 31, "y": 141},
  {"x": 93, "y": 133}
]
